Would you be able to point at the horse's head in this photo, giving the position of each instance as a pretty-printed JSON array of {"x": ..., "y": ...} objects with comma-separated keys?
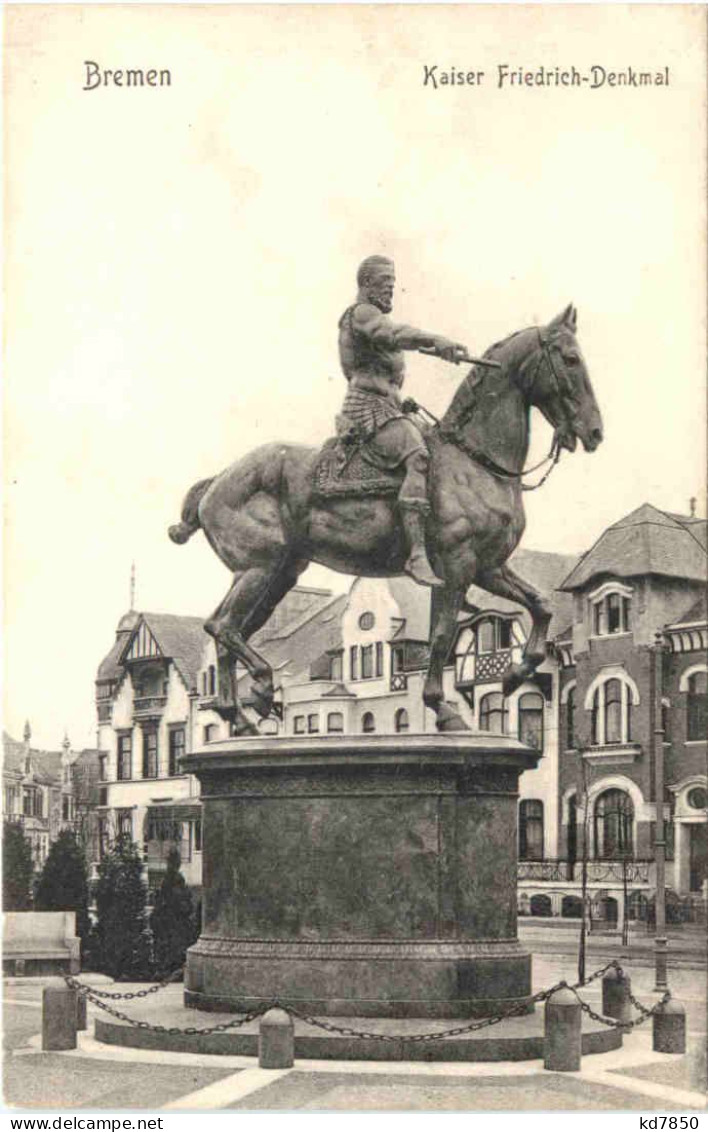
[{"x": 560, "y": 387}]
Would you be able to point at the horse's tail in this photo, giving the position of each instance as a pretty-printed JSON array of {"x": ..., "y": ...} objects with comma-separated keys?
[{"x": 182, "y": 531}]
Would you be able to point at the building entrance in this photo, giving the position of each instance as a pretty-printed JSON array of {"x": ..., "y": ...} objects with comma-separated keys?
[{"x": 698, "y": 856}]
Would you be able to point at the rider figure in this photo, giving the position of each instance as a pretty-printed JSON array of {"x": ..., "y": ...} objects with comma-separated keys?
[{"x": 371, "y": 349}]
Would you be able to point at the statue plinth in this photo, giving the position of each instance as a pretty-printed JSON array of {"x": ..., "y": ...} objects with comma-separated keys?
[{"x": 362, "y": 876}]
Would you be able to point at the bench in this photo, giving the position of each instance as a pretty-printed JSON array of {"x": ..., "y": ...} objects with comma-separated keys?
[{"x": 40, "y": 943}]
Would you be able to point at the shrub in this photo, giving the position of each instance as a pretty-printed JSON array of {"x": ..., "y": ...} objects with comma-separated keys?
[
  {"x": 17, "y": 869},
  {"x": 173, "y": 921},
  {"x": 121, "y": 927},
  {"x": 63, "y": 882}
]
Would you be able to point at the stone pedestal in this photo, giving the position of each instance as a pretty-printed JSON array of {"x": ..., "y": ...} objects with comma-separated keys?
[{"x": 360, "y": 876}]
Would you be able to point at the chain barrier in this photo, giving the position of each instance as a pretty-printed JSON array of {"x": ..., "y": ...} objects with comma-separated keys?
[
  {"x": 95, "y": 996},
  {"x": 76, "y": 985},
  {"x": 613, "y": 1023}
]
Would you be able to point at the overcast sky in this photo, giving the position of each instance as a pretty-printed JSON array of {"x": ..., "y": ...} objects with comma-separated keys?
[{"x": 178, "y": 259}]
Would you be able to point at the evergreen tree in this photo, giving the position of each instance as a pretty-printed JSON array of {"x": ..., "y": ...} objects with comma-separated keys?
[
  {"x": 17, "y": 869},
  {"x": 63, "y": 883},
  {"x": 173, "y": 920},
  {"x": 121, "y": 928}
]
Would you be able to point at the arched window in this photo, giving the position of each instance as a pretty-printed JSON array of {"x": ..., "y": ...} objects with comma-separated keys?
[
  {"x": 492, "y": 713},
  {"x": 570, "y": 720},
  {"x": 335, "y": 722},
  {"x": 612, "y": 713},
  {"x": 614, "y": 821},
  {"x": 531, "y": 830},
  {"x": 401, "y": 720},
  {"x": 531, "y": 720},
  {"x": 697, "y": 706},
  {"x": 368, "y": 723}
]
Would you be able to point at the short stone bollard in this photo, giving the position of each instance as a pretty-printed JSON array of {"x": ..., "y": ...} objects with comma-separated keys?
[
  {"x": 81, "y": 1010},
  {"x": 616, "y": 987},
  {"x": 276, "y": 1041},
  {"x": 562, "y": 1032},
  {"x": 669, "y": 1028},
  {"x": 59, "y": 1012}
]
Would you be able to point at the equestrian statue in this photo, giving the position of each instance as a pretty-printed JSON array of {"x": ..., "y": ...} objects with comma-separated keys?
[{"x": 391, "y": 494}]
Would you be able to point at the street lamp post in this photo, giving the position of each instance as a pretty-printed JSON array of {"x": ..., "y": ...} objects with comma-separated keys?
[{"x": 660, "y": 942}]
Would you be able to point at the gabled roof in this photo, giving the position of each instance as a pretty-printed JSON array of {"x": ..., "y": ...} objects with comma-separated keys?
[
  {"x": 46, "y": 765},
  {"x": 182, "y": 639},
  {"x": 413, "y": 603},
  {"x": 647, "y": 541},
  {"x": 318, "y": 632}
]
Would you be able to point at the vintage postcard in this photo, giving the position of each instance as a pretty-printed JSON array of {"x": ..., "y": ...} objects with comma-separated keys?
[{"x": 355, "y": 558}]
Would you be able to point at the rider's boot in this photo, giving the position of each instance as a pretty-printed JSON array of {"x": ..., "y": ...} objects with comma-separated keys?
[{"x": 414, "y": 513}]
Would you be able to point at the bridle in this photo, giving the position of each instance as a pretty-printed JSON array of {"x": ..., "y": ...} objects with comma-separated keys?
[{"x": 453, "y": 433}]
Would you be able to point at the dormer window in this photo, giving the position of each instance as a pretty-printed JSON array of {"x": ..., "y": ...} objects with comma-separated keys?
[
  {"x": 485, "y": 648},
  {"x": 611, "y": 610}
]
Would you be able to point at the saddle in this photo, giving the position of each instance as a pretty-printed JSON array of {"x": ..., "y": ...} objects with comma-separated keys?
[{"x": 346, "y": 467}]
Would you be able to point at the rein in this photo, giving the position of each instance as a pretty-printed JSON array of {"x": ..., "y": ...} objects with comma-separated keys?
[{"x": 454, "y": 436}]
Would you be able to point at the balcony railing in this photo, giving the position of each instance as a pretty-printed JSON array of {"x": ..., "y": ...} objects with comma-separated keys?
[
  {"x": 149, "y": 705},
  {"x": 560, "y": 869}
]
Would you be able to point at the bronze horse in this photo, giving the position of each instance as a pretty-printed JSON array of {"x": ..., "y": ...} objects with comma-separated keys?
[{"x": 262, "y": 519}]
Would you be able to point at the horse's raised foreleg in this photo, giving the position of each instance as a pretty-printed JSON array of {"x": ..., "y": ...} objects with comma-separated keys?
[
  {"x": 506, "y": 583},
  {"x": 446, "y": 605}
]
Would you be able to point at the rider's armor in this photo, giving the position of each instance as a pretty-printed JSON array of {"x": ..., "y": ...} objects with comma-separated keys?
[{"x": 372, "y": 414}]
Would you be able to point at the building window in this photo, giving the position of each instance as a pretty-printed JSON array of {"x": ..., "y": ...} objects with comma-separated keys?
[
  {"x": 379, "y": 658},
  {"x": 531, "y": 720},
  {"x": 198, "y": 835},
  {"x": 103, "y": 768},
  {"x": 368, "y": 723},
  {"x": 485, "y": 636},
  {"x": 335, "y": 668},
  {"x": 313, "y": 724},
  {"x": 396, "y": 660},
  {"x": 150, "y": 753},
  {"x": 614, "y": 819},
  {"x": 299, "y": 725},
  {"x": 492, "y": 713},
  {"x": 354, "y": 662},
  {"x": 125, "y": 757},
  {"x": 176, "y": 750},
  {"x": 204, "y": 683},
  {"x": 211, "y": 732},
  {"x": 66, "y": 807},
  {"x": 367, "y": 662},
  {"x": 697, "y": 798},
  {"x": 570, "y": 720},
  {"x": 125, "y": 823},
  {"x": 212, "y": 680},
  {"x": 612, "y": 713},
  {"x": 103, "y": 839},
  {"x": 400, "y": 721},
  {"x": 611, "y": 614},
  {"x": 335, "y": 723},
  {"x": 697, "y": 706},
  {"x": 531, "y": 830},
  {"x": 367, "y": 621}
]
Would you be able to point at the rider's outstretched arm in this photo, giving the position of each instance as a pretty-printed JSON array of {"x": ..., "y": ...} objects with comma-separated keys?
[{"x": 379, "y": 328}]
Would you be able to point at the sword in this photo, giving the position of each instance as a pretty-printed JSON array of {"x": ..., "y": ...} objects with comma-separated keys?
[{"x": 432, "y": 352}]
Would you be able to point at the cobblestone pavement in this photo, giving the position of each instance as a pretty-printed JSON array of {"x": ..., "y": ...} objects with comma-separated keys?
[{"x": 100, "y": 1078}]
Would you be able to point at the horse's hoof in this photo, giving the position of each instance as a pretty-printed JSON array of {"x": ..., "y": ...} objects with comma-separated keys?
[
  {"x": 262, "y": 700},
  {"x": 450, "y": 720}
]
